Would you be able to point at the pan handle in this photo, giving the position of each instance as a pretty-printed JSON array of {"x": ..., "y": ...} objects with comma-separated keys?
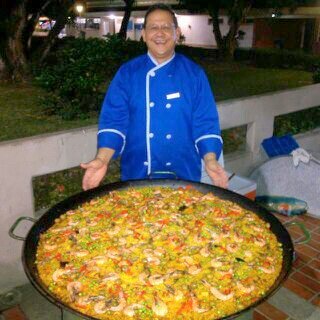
[
  {"x": 13, "y": 227},
  {"x": 303, "y": 229}
]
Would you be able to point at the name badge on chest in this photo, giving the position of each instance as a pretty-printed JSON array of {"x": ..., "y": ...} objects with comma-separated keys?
[{"x": 173, "y": 95}]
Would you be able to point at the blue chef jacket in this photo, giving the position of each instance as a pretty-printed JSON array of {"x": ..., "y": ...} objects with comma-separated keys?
[{"x": 160, "y": 117}]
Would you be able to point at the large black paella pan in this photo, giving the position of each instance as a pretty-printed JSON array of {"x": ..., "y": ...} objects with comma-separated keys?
[{"x": 48, "y": 219}]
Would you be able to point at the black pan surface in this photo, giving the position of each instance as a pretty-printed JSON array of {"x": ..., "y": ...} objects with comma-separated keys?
[{"x": 47, "y": 220}]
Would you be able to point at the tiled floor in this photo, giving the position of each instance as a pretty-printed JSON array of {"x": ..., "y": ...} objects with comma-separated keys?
[
  {"x": 304, "y": 280},
  {"x": 297, "y": 299}
]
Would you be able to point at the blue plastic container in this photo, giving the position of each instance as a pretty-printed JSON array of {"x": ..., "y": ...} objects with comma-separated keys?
[{"x": 279, "y": 146}]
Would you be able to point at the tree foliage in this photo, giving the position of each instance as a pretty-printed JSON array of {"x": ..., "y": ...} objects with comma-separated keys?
[
  {"x": 236, "y": 10},
  {"x": 18, "y": 19}
]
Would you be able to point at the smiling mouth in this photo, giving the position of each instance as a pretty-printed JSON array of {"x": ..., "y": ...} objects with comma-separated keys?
[{"x": 159, "y": 41}]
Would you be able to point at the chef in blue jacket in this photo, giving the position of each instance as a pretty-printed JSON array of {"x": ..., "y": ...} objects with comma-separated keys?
[{"x": 159, "y": 114}]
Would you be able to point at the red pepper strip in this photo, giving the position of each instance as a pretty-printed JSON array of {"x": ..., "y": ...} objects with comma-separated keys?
[
  {"x": 233, "y": 213},
  {"x": 164, "y": 221},
  {"x": 185, "y": 307},
  {"x": 188, "y": 187},
  {"x": 198, "y": 223},
  {"x": 226, "y": 291},
  {"x": 58, "y": 256},
  {"x": 226, "y": 276},
  {"x": 67, "y": 233}
]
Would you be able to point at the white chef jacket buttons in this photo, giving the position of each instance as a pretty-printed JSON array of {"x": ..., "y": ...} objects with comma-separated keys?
[
  {"x": 168, "y": 105},
  {"x": 146, "y": 163},
  {"x": 151, "y": 135},
  {"x": 151, "y": 104},
  {"x": 152, "y": 73},
  {"x": 168, "y": 136},
  {"x": 168, "y": 164}
]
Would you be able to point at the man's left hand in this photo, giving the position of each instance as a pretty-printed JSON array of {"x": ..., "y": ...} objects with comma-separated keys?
[{"x": 216, "y": 172}]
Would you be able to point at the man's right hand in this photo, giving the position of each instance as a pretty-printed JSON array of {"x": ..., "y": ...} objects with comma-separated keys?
[{"x": 95, "y": 172}]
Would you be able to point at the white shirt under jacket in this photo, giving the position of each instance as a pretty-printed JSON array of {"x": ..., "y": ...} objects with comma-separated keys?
[{"x": 160, "y": 118}]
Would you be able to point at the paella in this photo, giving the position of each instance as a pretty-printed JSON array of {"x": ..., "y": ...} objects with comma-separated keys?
[{"x": 157, "y": 252}]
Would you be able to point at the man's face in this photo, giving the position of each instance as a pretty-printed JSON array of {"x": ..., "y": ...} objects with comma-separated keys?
[{"x": 160, "y": 35}]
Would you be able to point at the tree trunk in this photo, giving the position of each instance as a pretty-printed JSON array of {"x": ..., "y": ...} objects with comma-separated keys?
[
  {"x": 228, "y": 43},
  {"x": 214, "y": 13},
  {"x": 124, "y": 25},
  {"x": 13, "y": 53},
  {"x": 31, "y": 24},
  {"x": 52, "y": 36}
]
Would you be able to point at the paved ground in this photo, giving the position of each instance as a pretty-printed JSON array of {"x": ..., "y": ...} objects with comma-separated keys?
[{"x": 297, "y": 299}]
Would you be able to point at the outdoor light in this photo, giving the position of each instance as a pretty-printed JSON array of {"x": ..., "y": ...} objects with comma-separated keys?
[
  {"x": 79, "y": 8},
  {"x": 273, "y": 15},
  {"x": 112, "y": 16}
]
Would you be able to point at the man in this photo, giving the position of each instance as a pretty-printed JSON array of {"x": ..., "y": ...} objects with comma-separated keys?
[{"x": 159, "y": 114}]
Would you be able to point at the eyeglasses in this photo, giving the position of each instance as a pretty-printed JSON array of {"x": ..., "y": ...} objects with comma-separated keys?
[{"x": 166, "y": 28}]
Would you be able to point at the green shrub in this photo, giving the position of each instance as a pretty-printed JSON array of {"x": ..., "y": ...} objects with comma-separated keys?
[
  {"x": 316, "y": 76},
  {"x": 278, "y": 58},
  {"x": 77, "y": 72},
  {"x": 297, "y": 122}
]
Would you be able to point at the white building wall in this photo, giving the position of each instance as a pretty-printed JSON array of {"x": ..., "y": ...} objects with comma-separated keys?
[
  {"x": 247, "y": 40},
  {"x": 196, "y": 28}
]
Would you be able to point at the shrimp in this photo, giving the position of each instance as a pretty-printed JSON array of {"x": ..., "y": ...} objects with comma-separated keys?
[
  {"x": 148, "y": 252},
  {"x": 244, "y": 288},
  {"x": 114, "y": 231},
  {"x": 197, "y": 238},
  {"x": 142, "y": 277},
  {"x": 159, "y": 252},
  {"x": 130, "y": 310},
  {"x": 153, "y": 260},
  {"x": 101, "y": 307},
  {"x": 156, "y": 279},
  {"x": 57, "y": 230},
  {"x": 159, "y": 307},
  {"x": 194, "y": 270},
  {"x": 229, "y": 272},
  {"x": 238, "y": 237},
  {"x": 81, "y": 253},
  {"x": 83, "y": 231},
  {"x": 219, "y": 295},
  {"x": 205, "y": 251},
  {"x": 184, "y": 232},
  {"x": 195, "y": 304},
  {"x": 187, "y": 260},
  {"x": 248, "y": 254},
  {"x": 122, "y": 241},
  {"x": 257, "y": 229},
  {"x": 50, "y": 247},
  {"x": 91, "y": 223},
  {"x": 214, "y": 236},
  {"x": 121, "y": 305},
  {"x": 267, "y": 270},
  {"x": 177, "y": 294},
  {"x": 111, "y": 277},
  {"x": 70, "y": 212},
  {"x": 57, "y": 274},
  {"x": 74, "y": 288},
  {"x": 232, "y": 247},
  {"x": 260, "y": 242},
  {"x": 215, "y": 263},
  {"x": 99, "y": 260},
  {"x": 113, "y": 254},
  {"x": 72, "y": 223},
  {"x": 95, "y": 236},
  {"x": 82, "y": 301}
]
